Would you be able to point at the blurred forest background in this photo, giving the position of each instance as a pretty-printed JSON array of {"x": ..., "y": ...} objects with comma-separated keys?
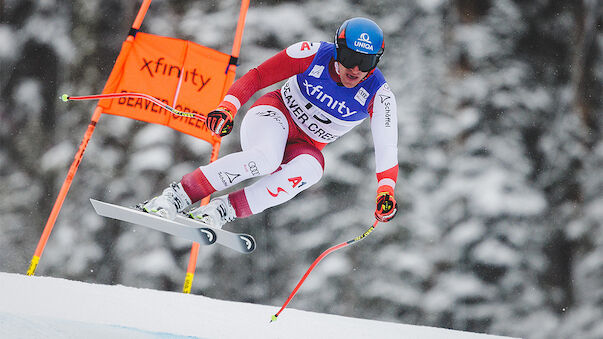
[{"x": 500, "y": 227}]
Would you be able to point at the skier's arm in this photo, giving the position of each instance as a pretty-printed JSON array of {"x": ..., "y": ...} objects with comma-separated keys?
[
  {"x": 384, "y": 128},
  {"x": 288, "y": 62}
]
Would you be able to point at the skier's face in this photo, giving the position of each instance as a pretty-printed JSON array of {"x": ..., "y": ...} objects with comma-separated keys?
[{"x": 350, "y": 77}]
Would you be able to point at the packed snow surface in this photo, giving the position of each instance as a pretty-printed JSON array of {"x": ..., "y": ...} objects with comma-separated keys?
[{"x": 44, "y": 307}]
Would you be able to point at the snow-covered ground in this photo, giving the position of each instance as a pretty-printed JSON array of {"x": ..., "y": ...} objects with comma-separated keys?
[{"x": 44, "y": 307}]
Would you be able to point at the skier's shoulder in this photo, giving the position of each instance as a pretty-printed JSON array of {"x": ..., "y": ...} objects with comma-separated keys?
[
  {"x": 375, "y": 81},
  {"x": 378, "y": 76},
  {"x": 303, "y": 49}
]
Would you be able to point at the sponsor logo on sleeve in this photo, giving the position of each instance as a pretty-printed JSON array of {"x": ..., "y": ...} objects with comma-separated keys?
[
  {"x": 385, "y": 100},
  {"x": 302, "y": 49}
]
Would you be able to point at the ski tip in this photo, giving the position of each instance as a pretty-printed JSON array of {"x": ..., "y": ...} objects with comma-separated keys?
[
  {"x": 95, "y": 204},
  {"x": 65, "y": 97}
]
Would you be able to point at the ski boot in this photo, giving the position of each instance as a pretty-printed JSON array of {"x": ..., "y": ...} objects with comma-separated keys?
[
  {"x": 216, "y": 213},
  {"x": 172, "y": 201}
]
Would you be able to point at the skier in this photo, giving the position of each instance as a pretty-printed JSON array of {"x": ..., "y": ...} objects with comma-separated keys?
[{"x": 330, "y": 88}]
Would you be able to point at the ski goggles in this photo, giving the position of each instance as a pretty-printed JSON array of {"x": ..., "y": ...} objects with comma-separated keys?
[{"x": 350, "y": 58}]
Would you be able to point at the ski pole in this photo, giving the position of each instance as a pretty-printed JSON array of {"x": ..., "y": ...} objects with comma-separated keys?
[
  {"x": 152, "y": 99},
  {"x": 320, "y": 257}
]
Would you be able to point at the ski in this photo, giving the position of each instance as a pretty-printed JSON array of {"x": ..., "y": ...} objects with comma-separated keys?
[{"x": 182, "y": 226}]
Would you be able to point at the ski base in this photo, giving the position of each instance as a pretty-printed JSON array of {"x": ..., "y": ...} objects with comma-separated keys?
[{"x": 182, "y": 226}]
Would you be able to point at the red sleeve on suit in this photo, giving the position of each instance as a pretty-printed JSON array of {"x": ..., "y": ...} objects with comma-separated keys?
[
  {"x": 279, "y": 67},
  {"x": 392, "y": 174}
]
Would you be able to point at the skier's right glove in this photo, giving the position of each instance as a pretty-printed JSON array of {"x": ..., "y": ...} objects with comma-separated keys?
[
  {"x": 219, "y": 121},
  {"x": 386, "y": 205}
]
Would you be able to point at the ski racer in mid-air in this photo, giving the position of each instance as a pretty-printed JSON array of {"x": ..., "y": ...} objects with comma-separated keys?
[{"x": 330, "y": 89}]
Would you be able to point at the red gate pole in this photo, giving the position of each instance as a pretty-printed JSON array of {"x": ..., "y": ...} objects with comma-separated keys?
[
  {"x": 236, "y": 48},
  {"x": 58, "y": 204}
]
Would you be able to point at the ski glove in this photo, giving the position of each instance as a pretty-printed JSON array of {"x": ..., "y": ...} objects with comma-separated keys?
[
  {"x": 219, "y": 121},
  {"x": 386, "y": 206}
]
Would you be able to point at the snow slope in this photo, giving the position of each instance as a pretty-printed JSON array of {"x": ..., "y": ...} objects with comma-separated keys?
[{"x": 43, "y": 307}]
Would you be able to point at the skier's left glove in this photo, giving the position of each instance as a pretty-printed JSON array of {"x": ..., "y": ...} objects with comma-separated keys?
[
  {"x": 386, "y": 204},
  {"x": 219, "y": 121}
]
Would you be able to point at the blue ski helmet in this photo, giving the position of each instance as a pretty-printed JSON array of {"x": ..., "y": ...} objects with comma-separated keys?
[{"x": 359, "y": 42}]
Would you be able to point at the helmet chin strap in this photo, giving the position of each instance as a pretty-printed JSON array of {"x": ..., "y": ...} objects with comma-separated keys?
[{"x": 337, "y": 67}]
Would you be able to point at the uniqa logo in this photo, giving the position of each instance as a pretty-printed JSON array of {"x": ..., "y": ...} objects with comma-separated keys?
[{"x": 364, "y": 41}]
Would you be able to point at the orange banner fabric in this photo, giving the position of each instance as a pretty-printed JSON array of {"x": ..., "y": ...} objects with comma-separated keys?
[{"x": 187, "y": 76}]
